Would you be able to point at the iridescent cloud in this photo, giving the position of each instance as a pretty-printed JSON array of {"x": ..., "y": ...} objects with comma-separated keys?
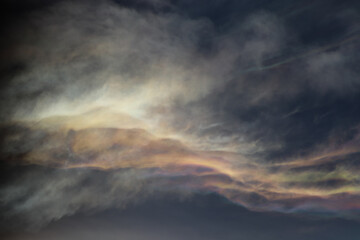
[
  {"x": 91, "y": 140},
  {"x": 158, "y": 102}
]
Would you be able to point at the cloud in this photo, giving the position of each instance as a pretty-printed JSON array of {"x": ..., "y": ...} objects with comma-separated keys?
[
  {"x": 44, "y": 195},
  {"x": 151, "y": 100},
  {"x": 113, "y": 167},
  {"x": 102, "y": 53}
]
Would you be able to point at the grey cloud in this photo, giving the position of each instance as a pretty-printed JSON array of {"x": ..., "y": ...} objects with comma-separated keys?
[
  {"x": 44, "y": 195},
  {"x": 39, "y": 195},
  {"x": 333, "y": 71},
  {"x": 263, "y": 36}
]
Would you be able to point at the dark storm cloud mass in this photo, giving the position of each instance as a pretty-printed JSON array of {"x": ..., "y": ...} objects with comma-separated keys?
[{"x": 257, "y": 101}]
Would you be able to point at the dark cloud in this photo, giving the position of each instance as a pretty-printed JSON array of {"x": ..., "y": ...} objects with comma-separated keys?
[{"x": 202, "y": 217}]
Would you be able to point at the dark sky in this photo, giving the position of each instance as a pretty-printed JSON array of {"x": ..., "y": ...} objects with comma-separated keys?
[{"x": 180, "y": 119}]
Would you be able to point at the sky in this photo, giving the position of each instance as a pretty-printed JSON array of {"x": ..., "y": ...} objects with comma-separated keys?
[{"x": 179, "y": 119}]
